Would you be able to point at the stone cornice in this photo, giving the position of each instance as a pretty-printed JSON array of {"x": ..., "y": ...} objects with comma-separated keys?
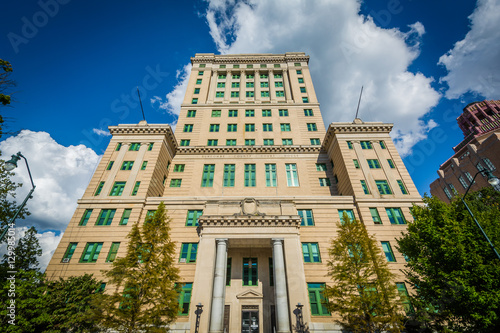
[
  {"x": 248, "y": 221},
  {"x": 144, "y": 128},
  {"x": 247, "y": 149},
  {"x": 353, "y": 128},
  {"x": 249, "y": 58}
]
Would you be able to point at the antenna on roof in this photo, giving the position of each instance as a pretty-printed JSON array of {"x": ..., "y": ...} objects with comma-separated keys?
[
  {"x": 357, "y": 110},
  {"x": 143, "y": 117}
]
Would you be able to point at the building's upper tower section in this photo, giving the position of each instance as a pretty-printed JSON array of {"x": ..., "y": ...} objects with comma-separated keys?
[{"x": 477, "y": 119}]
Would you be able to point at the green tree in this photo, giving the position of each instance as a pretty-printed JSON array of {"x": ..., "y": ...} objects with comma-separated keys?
[
  {"x": 363, "y": 291},
  {"x": 455, "y": 270},
  {"x": 5, "y": 82},
  {"x": 145, "y": 295},
  {"x": 26, "y": 252}
]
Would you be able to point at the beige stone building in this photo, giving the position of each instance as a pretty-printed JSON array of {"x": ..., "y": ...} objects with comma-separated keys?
[{"x": 254, "y": 186}]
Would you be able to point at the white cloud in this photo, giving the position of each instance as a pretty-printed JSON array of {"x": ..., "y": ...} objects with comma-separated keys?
[
  {"x": 474, "y": 62},
  {"x": 173, "y": 100},
  {"x": 101, "y": 132},
  {"x": 61, "y": 175}
]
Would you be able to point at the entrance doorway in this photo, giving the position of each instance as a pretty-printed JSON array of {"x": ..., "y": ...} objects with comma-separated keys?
[{"x": 250, "y": 321}]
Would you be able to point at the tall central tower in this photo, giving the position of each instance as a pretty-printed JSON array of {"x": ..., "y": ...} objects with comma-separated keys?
[{"x": 254, "y": 186}]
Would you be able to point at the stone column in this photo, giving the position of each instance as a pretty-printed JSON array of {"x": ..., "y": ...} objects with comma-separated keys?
[
  {"x": 286, "y": 83},
  {"x": 219, "y": 290},
  {"x": 211, "y": 88},
  {"x": 280, "y": 292},
  {"x": 257, "y": 87}
]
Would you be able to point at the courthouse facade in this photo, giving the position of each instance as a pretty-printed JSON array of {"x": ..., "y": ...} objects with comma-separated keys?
[{"x": 254, "y": 186}]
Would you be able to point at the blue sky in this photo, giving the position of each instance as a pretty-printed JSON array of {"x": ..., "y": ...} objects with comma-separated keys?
[{"x": 77, "y": 65}]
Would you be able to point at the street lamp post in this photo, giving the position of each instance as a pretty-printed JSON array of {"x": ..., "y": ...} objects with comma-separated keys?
[
  {"x": 9, "y": 166},
  {"x": 492, "y": 180}
]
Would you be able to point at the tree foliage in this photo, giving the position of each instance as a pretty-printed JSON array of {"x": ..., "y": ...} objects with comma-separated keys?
[
  {"x": 455, "y": 270},
  {"x": 145, "y": 295},
  {"x": 363, "y": 291},
  {"x": 5, "y": 82}
]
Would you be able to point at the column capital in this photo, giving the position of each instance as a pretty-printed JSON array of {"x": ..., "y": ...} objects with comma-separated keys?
[
  {"x": 221, "y": 240},
  {"x": 277, "y": 240}
]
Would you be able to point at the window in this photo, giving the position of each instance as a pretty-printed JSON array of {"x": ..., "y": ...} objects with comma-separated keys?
[
  {"x": 185, "y": 299},
  {"x": 266, "y": 113},
  {"x": 283, "y": 113},
  {"x": 250, "y": 272},
  {"x": 235, "y": 94},
  {"x": 315, "y": 142},
  {"x": 212, "y": 142},
  {"x": 267, "y": 127},
  {"x": 150, "y": 146},
  {"x": 222, "y": 66},
  {"x": 249, "y": 127},
  {"x": 207, "y": 179},
  {"x": 127, "y": 165},
  {"x": 250, "y": 76},
  {"x": 233, "y": 113},
  {"x": 356, "y": 163},
  {"x": 306, "y": 216},
  {"x": 134, "y": 146},
  {"x": 179, "y": 167},
  {"x": 263, "y": 65},
  {"x": 222, "y": 76},
  {"x": 192, "y": 218},
  {"x": 214, "y": 127},
  {"x": 118, "y": 146},
  {"x": 236, "y": 76},
  {"x": 311, "y": 127},
  {"x": 216, "y": 113},
  {"x": 113, "y": 250},
  {"x": 382, "y": 144},
  {"x": 386, "y": 247},
  {"x": 230, "y": 142},
  {"x": 249, "y": 94},
  {"x": 308, "y": 112},
  {"x": 228, "y": 271},
  {"x": 271, "y": 272},
  {"x": 85, "y": 217},
  {"x": 365, "y": 187},
  {"x": 324, "y": 181},
  {"x": 391, "y": 164},
  {"x": 125, "y": 216},
  {"x": 219, "y": 94},
  {"x": 366, "y": 145},
  {"x": 297, "y": 64},
  {"x": 316, "y": 299},
  {"x": 188, "y": 128},
  {"x": 249, "y": 66},
  {"x": 264, "y": 76},
  {"x": 301, "y": 80},
  {"x": 383, "y": 187},
  {"x": 249, "y": 85},
  {"x": 236, "y": 66},
  {"x": 469, "y": 176},
  {"x": 110, "y": 165},
  {"x": 349, "y": 145},
  {"x": 185, "y": 143},
  {"x": 395, "y": 215},
  {"x": 91, "y": 252},
  {"x": 198, "y": 81},
  {"x": 488, "y": 163},
  {"x": 117, "y": 189},
  {"x": 250, "y": 175},
  {"x": 268, "y": 142},
  {"x": 264, "y": 94},
  {"x": 305, "y": 100},
  {"x": 286, "y": 142},
  {"x": 271, "y": 175},
  {"x": 264, "y": 84},
  {"x": 320, "y": 167},
  {"x": 191, "y": 113},
  {"x": 311, "y": 252},
  {"x": 196, "y": 91},
  {"x": 405, "y": 299},
  {"x": 280, "y": 93},
  {"x": 349, "y": 212},
  {"x": 249, "y": 142},
  {"x": 194, "y": 101},
  {"x": 69, "y": 252},
  {"x": 448, "y": 194},
  {"x": 188, "y": 252},
  {"x": 463, "y": 182},
  {"x": 373, "y": 164},
  {"x": 299, "y": 71},
  {"x": 278, "y": 84},
  {"x": 235, "y": 84},
  {"x": 105, "y": 217},
  {"x": 228, "y": 180},
  {"x": 249, "y": 113},
  {"x": 221, "y": 84},
  {"x": 202, "y": 65},
  {"x": 285, "y": 127},
  {"x": 99, "y": 189},
  {"x": 303, "y": 90},
  {"x": 402, "y": 187},
  {"x": 136, "y": 188},
  {"x": 175, "y": 182},
  {"x": 291, "y": 174},
  {"x": 375, "y": 216}
]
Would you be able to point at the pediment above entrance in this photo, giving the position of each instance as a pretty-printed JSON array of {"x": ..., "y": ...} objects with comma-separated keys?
[{"x": 250, "y": 294}]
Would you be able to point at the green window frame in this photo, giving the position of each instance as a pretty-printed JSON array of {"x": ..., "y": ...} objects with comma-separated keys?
[
  {"x": 202, "y": 65},
  {"x": 134, "y": 146},
  {"x": 117, "y": 189},
  {"x": 230, "y": 142},
  {"x": 267, "y": 127},
  {"x": 200, "y": 72},
  {"x": 185, "y": 299},
  {"x": 285, "y": 127},
  {"x": 221, "y": 84},
  {"x": 194, "y": 101},
  {"x": 287, "y": 142},
  {"x": 249, "y": 127},
  {"x": 99, "y": 189},
  {"x": 235, "y": 84},
  {"x": 236, "y": 66},
  {"x": 207, "y": 179},
  {"x": 292, "y": 177},
  {"x": 250, "y": 272},
  {"x": 250, "y": 76},
  {"x": 91, "y": 252},
  {"x": 249, "y": 113},
  {"x": 249, "y": 142},
  {"x": 266, "y": 113},
  {"x": 299, "y": 71},
  {"x": 402, "y": 187},
  {"x": 303, "y": 90},
  {"x": 144, "y": 164},
  {"x": 268, "y": 142},
  {"x": 235, "y": 93},
  {"x": 236, "y": 76},
  {"x": 179, "y": 168},
  {"x": 214, "y": 128},
  {"x": 365, "y": 187},
  {"x": 297, "y": 64},
  {"x": 188, "y": 128},
  {"x": 310, "y": 252},
  {"x": 395, "y": 215},
  {"x": 69, "y": 252},
  {"x": 222, "y": 66},
  {"x": 405, "y": 297},
  {"x": 85, "y": 217},
  {"x": 127, "y": 165},
  {"x": 315, "y": 142},
  {"x": 280, "y": 93},
  {"x": 196, "y": 91},
  {"x": 188, "y": 252},
  {"x": 198, "y": 81},
  {"x": 283, "y": 112},
  {"x": 192, "y": 217},
  {"x": 136, "y": 188},
  {"x": 349, "y": 145},
  {"x": 191, "y": 113},
  {"x": 324, "y": 182},
  {"x": 222, "y": 76},
  {"x": 118, "y": 146},
  {"x": 219, "y": 94},
  {"x": 311, "y": 127},
  {"x": 232, "y": 113},
  {"x": 356, "y": 163},
  {"x": 375, "y": 215},
  {"x": 317, "y": 300},
  {"x": 271, "y": 180},
  {"x": 383, "y": 187},
  {"x": 176, "y": 182},
  {"x": 263, "y": 66},
  {"x": 382, "y": 144},
  {"x": 232, "y": 127},
  {"x": 105, "y": 217},
  {"x": 250, "y": 93},
  {"x": 349, "y": 212},
  {"x": 110, "y": 165},
  {"x": 391, "y": 163},
  {"x": 301, "y": 80},
  {"x": 306, "y": 216},
  {"x": 185, "y": 143},
  {"x": 229, "y": 175},
  {"x": 216, "y": 113},
  {"x": 389, "y": 254},
  {"x": 113, "y": 250},
  {"x": 308, "y": 112},
  {"x": 366, "y": 145},
  {"x": 264, "y": 76},
  {"x": 320, "y": 167},
  {"x": 278, "y": 76},
  {"x": 373, "y": 164},
  {"x": 250, "y": 85},
  {"x": 278, "y": 84},
  {"x": 125, "y": 216},
  {"x": 264, "y": 93},
  {"x": 249, "y": 175},
  {"x": 212, "y": 142}
]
